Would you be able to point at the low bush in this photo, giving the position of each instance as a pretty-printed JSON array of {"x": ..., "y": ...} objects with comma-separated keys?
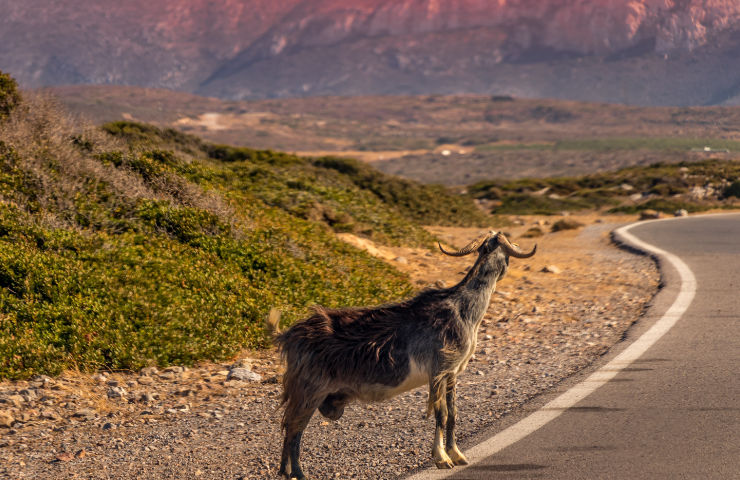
[
  {"x": 533, "y": 232},
  {"x": 10, "y": 97},
  {"x": 565, "y": 224},
  {"x": 732, "y": 190},
  {"x": 661, "y": 205}
]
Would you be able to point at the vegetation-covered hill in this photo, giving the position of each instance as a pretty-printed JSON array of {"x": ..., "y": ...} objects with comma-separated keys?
[
  {"x": 693, "y": 186},
  {"x": 129, "y": 245}
]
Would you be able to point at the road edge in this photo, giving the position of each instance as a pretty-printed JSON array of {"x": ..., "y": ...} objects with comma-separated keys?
[{"x": 628, "y": 354}]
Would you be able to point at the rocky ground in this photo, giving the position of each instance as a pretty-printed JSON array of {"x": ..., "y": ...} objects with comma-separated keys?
[{"x": 552, "y": 315}]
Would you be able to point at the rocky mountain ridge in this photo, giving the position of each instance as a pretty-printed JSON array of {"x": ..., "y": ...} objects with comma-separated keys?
[{"x": 638, "y": 51}]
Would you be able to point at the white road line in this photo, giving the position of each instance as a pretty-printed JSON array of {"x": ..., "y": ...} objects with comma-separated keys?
[{"x": 601, "y": 376}]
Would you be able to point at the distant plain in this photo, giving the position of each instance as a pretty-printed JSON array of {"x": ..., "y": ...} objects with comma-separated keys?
[{"x": 455, "y": 140}]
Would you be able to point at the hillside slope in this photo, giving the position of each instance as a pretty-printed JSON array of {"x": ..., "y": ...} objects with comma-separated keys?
[{"x": 133, "y": 245}]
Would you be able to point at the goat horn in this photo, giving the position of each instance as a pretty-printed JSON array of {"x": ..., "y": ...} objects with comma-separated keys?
[
  {"x": 513, "y": 250},
  {"x": 470, "y": 247}
]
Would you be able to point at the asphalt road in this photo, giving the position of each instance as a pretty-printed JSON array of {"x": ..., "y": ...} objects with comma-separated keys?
[{"x": 674, "y": 413}]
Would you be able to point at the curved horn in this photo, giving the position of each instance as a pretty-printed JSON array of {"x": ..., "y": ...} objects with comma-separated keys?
[
  {"x": 470, "y": 247},
  {"x": 513, "y": 250}
]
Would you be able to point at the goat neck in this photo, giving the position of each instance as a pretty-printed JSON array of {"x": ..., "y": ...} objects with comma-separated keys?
[{"x": 474, "y": 291}]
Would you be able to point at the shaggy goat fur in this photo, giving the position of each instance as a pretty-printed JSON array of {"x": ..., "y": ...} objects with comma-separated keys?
[{"x": 370, "y": 354}]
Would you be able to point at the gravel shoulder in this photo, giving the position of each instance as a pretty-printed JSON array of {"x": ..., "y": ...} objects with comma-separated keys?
[{"x": 552, "y": 315}]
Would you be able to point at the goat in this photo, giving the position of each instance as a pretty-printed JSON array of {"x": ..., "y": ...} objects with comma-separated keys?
[{"x": 371, "y": 354}]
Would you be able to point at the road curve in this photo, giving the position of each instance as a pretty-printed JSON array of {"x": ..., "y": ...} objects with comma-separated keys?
[{"x": 664, "y": 404}]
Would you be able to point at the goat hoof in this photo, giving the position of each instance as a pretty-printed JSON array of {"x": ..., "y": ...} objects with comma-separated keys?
[
  {"x": 442, "y": 461},
  {"x": 444, "y": 464},
  {"x": 456, "y": 456},
  {"x": 290, "y": 476}
]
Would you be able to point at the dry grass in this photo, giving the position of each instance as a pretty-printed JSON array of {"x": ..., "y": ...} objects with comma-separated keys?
[
  {"x": 60, "y": 152},
  {"x": 46, "y": 139}
]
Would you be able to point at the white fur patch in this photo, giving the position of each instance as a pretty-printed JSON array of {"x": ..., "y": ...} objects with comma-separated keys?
[{"x": 376, "y": 392}]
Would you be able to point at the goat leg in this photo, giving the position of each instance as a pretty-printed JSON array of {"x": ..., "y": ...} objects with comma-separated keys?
[
  {"x": 437, "y": 398},
  {"x": 294, "y": 425},
  {"x": 451, "y": 445}
]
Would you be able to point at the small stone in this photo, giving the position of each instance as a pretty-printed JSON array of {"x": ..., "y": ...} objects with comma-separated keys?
[
  {"x": 146, "y": 397},
  {"x": 117, "y": 392},
  {"x": 65, "y": 457},
  {"x": 16, "y": 400},
  {"x": 242, "y": 363},
  {"x": 85, "y": 414},
  {"x": 109, "y": 426},
  {"x": 29, "y": 395},
  {"x": 41, "y": 381},
  {"x": 681, "y": 213},
  {"x": 175, "y": 369},
  {"x": 401, "y": 260},
  {"x": 6, "y": 419},
  {"x": 49, "y": 414},
  {"x": 440, "y": 284},
  {"x": 146, "y": 380},
  {"x": 551, "y": 269},
  {"x": 100, "y": 378},
  {"x": 149, "y": 371},
  {"x": 244, "y": 375}
]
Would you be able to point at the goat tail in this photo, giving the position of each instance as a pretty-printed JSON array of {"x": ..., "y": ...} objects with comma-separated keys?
[{"x": 272, "y": 323}]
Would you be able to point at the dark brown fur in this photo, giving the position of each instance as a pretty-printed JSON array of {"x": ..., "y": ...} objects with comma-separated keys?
[{"x": 337, "y": 355}]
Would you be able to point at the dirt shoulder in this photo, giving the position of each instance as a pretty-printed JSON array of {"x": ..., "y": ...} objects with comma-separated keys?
[{"x": 552, "y": 315}]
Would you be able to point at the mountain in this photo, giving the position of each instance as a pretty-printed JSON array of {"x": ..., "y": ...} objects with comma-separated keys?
[{"x": 657, "y": 52}]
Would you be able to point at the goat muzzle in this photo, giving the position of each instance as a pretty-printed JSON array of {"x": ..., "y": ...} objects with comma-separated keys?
[
  {"x": 513, "y": 250},
  {"x": 470, "y": 247}
]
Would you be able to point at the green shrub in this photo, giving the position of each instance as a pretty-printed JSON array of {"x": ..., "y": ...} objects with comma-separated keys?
[
  {"x": 9, "y": 95},
  {"x": 661, "y": 205},
  {"x": 565, "y": 224},
  {"x": 149, "y": 135},
  {"x": 732, "y": 190},
  {"x": 523, "y": 203},
  {"x": 533, "y": 232}
]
